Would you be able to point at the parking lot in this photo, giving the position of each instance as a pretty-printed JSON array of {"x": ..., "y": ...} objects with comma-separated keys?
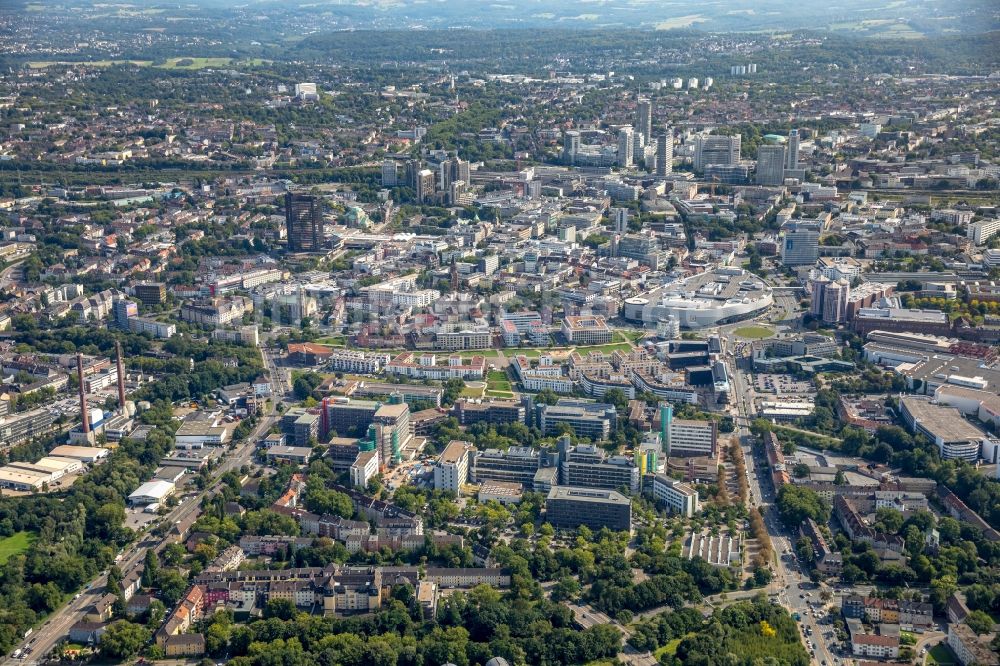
[{"x": 782, "y": 384}]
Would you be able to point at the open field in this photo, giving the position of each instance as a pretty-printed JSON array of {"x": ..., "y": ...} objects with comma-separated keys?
[
  {"x": 15, "y": 544},
  {"x": 754, "y": 332},
  {"x": 681, "y": 22}
]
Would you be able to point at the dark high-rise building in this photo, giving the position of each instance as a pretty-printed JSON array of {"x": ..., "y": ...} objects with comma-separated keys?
[
  {"x": 644, "y": 118},
  {"x": 665, "y": 154},
  {"x": 303, "y": 222},
  {"x": 151, "y": 293}
]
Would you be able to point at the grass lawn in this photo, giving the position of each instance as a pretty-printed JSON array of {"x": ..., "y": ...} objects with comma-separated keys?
[
  {"x": 941, "y": 654},
  {"x": 333, "y": 341},
  {"x": 472, "y": 392},
  {"x": 503, "y": 395},
  {"x": 754, "y": 332},
  {"x": 488, "y": 353},
  {"x": 670, "y": 648},
  {"x": 497, "y": 382},
  {"x": 14, "y": 544},
  {"x": 606, "y": 349}
]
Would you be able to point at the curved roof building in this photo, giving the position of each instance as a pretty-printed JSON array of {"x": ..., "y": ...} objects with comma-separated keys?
[{"x": 719, "y": 296}]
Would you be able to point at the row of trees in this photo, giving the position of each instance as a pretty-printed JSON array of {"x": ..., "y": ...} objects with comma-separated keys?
[{"x": 469, "y": 628}]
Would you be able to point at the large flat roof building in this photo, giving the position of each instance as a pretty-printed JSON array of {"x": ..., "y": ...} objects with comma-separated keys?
[
  {"x": 719, "y": 296},
  {"x": 933, "y": 322},
  {"x": 87, "y": 454},
  {"x": 955, "y": 437},
  {"x": 568, "y": 507}
]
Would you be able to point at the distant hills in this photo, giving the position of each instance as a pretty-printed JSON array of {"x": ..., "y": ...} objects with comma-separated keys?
[{"x": 882, "y": 18}]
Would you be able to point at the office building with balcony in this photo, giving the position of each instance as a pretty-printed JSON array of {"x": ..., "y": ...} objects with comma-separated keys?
[
  {"x": 587, "y": 466},
  {"x": 518, "y": 464},
  {"x": 589, "y": 419}
]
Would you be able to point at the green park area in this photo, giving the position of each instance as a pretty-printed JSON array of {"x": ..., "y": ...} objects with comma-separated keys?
[
  {"x": 15, "y": 544},
  {"x": 498, "y": 385},
  {"x": 754, "y": 332}
]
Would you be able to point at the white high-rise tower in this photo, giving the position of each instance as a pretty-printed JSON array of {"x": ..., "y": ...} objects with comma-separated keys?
[
  {"x": 626, "y": 145},
  {"x": 793, "y": 149}
]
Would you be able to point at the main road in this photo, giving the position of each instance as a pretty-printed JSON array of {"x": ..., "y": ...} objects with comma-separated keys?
[
  {"x": 790, "y": 585},
  {"x": 55, "y": 629}
]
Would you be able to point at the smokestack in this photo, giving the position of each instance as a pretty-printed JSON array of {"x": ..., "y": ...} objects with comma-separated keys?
[
  {"x": 121, "y": 376},
  {"x": 83, "y": 394}
]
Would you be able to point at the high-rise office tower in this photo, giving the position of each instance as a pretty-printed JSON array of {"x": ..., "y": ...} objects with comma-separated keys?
[
  {"x": 303, "y": 222},
  {"x": 626, "y": 144},
  {"x": 452, "y": 170},
  {"x": 793, "y": 149},
  {"x": 716, "y": 149},
  {"x": 425, "y": 185},
  {"x": 571, "y": 146},
  {"x": 444, "y": 175},
  {"x": 412, "y": 169},
  {"x": 665, "y": 154},
  {"x": 801, "y": 244},
  {"x": 817, "y": 290},
  {"x": 639, "y": 148},
  {"x": 620, "y": 216},
  {"x": 770, "y": 165},
  {"x": 835, "y": 297},
  {"x": 644, "y": 118},
  {"x": 389, "y": 174}
]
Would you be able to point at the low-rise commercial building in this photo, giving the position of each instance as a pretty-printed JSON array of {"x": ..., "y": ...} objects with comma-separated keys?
[
  {"x": 151, "y": 492},
  {"x": 296, "y": 455},
  {"x": 501, "y": 491}
]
